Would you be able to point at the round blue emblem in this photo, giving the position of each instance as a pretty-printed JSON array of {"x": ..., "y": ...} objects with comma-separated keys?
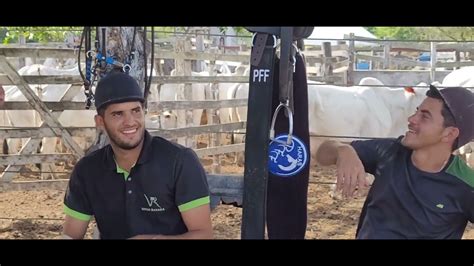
[{"x": 287, "y": 160}]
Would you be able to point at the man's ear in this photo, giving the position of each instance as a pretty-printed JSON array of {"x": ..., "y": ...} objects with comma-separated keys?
[
  {"x": 99, "y": 121},
  {"x": 450, "y": 134}
]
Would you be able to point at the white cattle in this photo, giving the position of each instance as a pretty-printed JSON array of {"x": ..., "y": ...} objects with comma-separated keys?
[
  {"x": 357, "y": 111},
  {"x": 368, "y": 110},
  {"x": 242, "y": 92},
  {"x": 78, "y": 118},
  {"x": 226, "y": 91},
  {"x": 361, "y": 111},
  {"x": 169, "y": 92},
  {"x": 399, "y": 102},
  {"x": 342, "y": 111},
  {"x": 463, "y": 77},
  {"x": 152, "y": 118},
  {"x": 229, "y": 91},
  {"x": 30, "y": 118},
  {"x": 240, "y": 114}
]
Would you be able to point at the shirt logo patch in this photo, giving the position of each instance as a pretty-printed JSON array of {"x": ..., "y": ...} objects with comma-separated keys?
[
  {"x": 152, "y": 201},
  {"x": 440, "y": 206}
]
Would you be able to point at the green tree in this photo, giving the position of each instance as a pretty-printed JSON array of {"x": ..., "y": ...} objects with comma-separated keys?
[
  {"x": 399, "y": 33},
  {"x": 37, "y": 34},
  {"x": 448, "y": 33},
  {"x": 58, "y": 34},
  {"x": 424, "y": 33},
  {"x": 239, "y": 30}
]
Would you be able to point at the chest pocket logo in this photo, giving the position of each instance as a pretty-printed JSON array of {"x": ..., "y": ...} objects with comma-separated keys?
[
  {"x": 440, "y": 205},
  {"x": 153, "y": 205}
]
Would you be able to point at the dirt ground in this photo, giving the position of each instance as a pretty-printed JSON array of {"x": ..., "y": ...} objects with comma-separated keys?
[{"x": 38, "y": 214}]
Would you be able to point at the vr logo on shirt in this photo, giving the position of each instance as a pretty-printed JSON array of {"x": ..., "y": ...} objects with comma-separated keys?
[
  {"x": 152, "y": 201},
  {"x": 287, "y": 160}
]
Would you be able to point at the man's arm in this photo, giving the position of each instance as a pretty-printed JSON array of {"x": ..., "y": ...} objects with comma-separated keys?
[
  {"x": 350, "y": 170},
  {"x": 74, "y": 228},
  {"x": 198, "y": 222},
  {"x": 327, "y": 153},
  {"x": 76, "y": 205}
]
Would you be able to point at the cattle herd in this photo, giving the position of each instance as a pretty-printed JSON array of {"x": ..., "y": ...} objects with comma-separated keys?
[{"x": 366, "y": 110}]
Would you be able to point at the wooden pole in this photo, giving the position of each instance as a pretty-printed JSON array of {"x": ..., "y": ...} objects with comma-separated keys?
[
  {"x": 350, "y": 67},
  {"x": 327, "y": 64},
  {"x": 433, "y": 62}
]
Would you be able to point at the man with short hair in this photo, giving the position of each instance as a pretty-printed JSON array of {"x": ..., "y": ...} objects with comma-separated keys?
[
  {"x": 139, "y": 186},
  {"x": 420, "y": 189}
]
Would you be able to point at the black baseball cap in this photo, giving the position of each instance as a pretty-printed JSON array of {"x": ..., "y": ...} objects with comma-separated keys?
[
  {"x": 117, "y": 87},
  {"x": 460, "y": 102}
]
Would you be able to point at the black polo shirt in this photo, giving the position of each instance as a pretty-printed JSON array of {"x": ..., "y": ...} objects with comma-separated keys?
[
  {"x": 406, "y": 202},
  {"x": 167, "y": 179}
]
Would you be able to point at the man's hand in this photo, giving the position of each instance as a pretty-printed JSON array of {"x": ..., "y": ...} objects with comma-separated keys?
[{"x": 350, "y": 171}]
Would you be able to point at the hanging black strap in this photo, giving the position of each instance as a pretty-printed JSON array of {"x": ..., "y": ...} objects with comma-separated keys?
[
  {"x": 287, "y": 186},
  {"x": 286, "y": 77},
  {"x": 261, "y": 84},
  {"x": 259, "y": 42},
  {"x": 264, "y": 80}
]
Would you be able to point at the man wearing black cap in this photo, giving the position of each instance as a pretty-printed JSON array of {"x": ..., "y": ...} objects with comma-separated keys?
[
  {"x": 139, "y": 186},
  {"x": 420, "y": 189}
]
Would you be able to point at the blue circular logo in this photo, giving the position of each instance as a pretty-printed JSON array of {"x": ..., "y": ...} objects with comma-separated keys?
[{"x": 287, "y": 160}]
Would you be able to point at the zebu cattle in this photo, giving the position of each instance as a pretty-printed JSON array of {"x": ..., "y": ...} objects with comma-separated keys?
[
  {"x": 463, "y": 77},
  {"x": 400, "y": 103},
  {"x": 360, "y": 111},
  {"x": 169, "y": 92},
  {"x": 30, "y": 118},
  {"x": 228, "y": 91}
]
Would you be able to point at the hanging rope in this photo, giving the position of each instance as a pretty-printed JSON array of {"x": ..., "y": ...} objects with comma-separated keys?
[{"x": 87, "y": 79}]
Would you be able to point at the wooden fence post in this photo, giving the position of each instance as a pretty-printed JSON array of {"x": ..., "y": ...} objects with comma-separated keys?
[
  {"x": 386, "y": 55},
  {"x": 457, "y": 56},
  {"x": 183, "y": 68},
  {"x": 432, "y": 62},
  {"x": 350, "y": 67},
  {"x": 212, "y": 118},
  {"x": 21, "y": 41},
  {"x": 327, "y": 66}
]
